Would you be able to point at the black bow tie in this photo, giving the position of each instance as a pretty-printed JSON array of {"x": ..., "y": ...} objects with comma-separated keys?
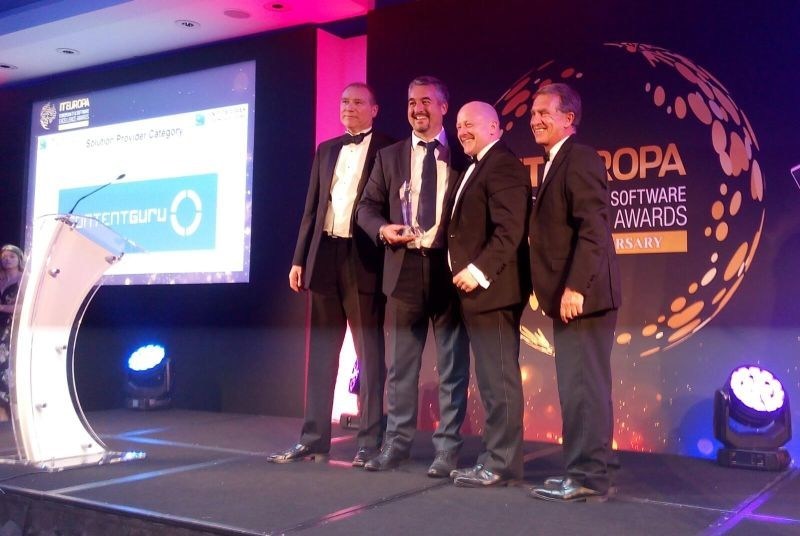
[
  {"x": 547, "y": 156},
  {"x": 347, "y": 139},
  {"x": 473, "y": 160}
]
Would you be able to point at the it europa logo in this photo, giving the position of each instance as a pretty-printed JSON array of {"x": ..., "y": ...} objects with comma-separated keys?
[
  {"x": 687, "y": 191},
  {"x": 47, "y": 115}
]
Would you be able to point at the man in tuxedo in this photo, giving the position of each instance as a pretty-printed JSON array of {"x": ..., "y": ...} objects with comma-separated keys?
[
  {"x": 576, "y": 279},
  {"x": 488, "y": 250},
  {"x": 406, "y": 206},
  {"x": 341, "y": 266}
]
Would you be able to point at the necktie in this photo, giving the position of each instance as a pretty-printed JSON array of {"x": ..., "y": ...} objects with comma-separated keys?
[
  {"x": 426, "y": 209},
  {"x": 347, "y": 139}
]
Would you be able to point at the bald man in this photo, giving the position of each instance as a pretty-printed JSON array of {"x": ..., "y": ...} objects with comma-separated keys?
[{"x": 488, "y": 254}]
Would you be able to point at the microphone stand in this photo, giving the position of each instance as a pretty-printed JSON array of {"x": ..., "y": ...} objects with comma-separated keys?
[
  {"x": 92, "y": 193},
  {"x": 66, "y": 218}
]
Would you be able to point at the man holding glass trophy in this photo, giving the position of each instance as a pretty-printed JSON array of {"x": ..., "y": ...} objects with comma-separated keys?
[{"x": 405, "y": 206}]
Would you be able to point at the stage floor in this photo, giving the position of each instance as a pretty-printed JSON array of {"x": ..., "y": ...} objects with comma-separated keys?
[{"x": 206, "y": 472}]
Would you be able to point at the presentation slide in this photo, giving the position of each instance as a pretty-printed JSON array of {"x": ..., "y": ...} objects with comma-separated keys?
[{"x": 166, "y": 163}]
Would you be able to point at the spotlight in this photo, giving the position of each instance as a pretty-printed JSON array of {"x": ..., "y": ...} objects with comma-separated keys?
[
  {"x": 752, "y": 419},
  {"x": 148, "y": 382}
]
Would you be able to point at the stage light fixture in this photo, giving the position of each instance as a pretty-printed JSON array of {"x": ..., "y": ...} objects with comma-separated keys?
[
  {"x": 752, "y": 420},
  {"x": 148, "y": 383}
]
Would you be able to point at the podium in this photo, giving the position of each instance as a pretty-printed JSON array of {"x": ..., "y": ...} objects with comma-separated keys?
[{"x": 70, "y": 254}]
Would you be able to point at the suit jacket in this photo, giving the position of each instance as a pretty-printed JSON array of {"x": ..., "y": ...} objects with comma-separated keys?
[
  {"x": 380, "y": 203},
  {"x": 489, "y": 229},
  {"x": 368, "y": 257},
  {"x": 570, "y": 233}
]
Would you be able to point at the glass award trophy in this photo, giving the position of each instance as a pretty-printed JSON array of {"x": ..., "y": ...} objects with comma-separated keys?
[{"x": 406, "y": 204}]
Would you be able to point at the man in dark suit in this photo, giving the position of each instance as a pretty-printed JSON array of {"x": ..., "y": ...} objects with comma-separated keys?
[
  {"x": 406, "y": 205},
  {"x": 341, "y": 266},
  {"x": 576, "y": 279},
  {"x": 488, "y": 249}
]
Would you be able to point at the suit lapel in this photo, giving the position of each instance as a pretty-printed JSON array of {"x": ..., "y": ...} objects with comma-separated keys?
[
  {"x": 472, "y": 180},
  {"x": 559, "y": 160},
  {"x": 326, "y": 179},
  {"x": 372, "y": 150},
  {"x": 454, "y": 206},
  {"x": 455, "y": 168},
  {"x": 404, "y": 165},
  {"x": 454, "y": 178}
]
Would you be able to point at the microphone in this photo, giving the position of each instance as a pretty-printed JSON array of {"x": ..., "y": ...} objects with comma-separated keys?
[{"x": 109, "y": 183}]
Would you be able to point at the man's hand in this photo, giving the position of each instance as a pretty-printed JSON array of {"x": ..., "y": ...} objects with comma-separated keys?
[
  {"x": 464, "y": 280},
  {"x": 392, "y": 234},
  {"x": 571, "y": 305},
  {"x": 296, "y": 278}
]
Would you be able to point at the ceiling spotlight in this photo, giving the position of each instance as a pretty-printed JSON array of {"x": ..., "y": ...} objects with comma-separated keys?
[
  {"x": 752, "y": 420},
  {"x": 276, "y": 6},
  {"x": 188, "y": 24},
  {"x": 236, "y": 14},
  {"x": 68, "y": 51}
]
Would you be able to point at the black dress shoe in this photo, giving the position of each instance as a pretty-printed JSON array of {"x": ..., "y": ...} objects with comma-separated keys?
[
  {"x": 554, "y": 481},
  {"x": 297, "y": 453},
  {"x": 569, "y": 491},
  {"x": 363, "y": 455},
  {"x": 444, "y": 462},
  {"x": 466, "y": 471},
  {"x": 390, "y": 457},
  {"x": 558, "y": 481},
  {"x": 481, "y": 478}
]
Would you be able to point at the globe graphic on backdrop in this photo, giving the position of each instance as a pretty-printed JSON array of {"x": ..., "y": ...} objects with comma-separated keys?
[{"x": 687, "y": 188}]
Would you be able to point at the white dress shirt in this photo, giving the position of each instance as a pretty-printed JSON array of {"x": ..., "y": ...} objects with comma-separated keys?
[
  {"x": 442, "y": 165},
  {"x": 552, "y": 154},
  {"x": 344, "y": 187}
]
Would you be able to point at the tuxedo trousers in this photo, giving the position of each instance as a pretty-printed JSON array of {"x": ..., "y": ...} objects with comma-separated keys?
[
  {"x": 336, "y": 301},
  {"x": 583, "y": 370},
  {"x": 494, "y": 338}
]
